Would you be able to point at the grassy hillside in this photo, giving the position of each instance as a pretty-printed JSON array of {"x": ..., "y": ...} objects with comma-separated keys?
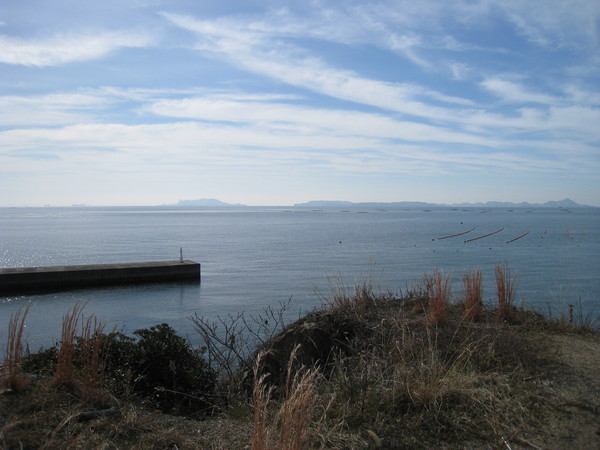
[{"x": 364, "y": 371}]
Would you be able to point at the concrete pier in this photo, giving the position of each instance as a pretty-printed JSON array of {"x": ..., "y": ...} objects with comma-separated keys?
[{"x": 22, "y": 280}]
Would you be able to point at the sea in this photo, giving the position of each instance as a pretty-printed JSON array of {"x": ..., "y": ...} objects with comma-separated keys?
[{"x": 255, "y": 258}]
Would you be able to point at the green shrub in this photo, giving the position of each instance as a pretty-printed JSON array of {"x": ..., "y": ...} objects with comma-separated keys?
[
  {"x": 42, "y": 362},
  {"x": 159, "y": 367},
  {"x": 168, "y": 369}
]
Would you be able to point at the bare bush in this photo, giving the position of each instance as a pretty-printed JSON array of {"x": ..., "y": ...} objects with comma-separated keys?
[{"x": 229, "y": 341}]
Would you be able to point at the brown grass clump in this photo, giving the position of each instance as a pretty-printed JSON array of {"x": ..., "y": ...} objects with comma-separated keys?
[
  {"x": 261, "y": 395},
  {"x": 506, "y": 288},
  {"x": 342, "y": 298},
  {"x": 82, "y": 354},
  {"x": 65, "y": 368},
  {"x": 438, "y": 290},
  {"x": 11, "y": 375},
  {"x": 473, "y": 286},
  {"x": 291, "y": 423},
  {"x": 94, "y": 351},
  {"x": 417, "y": 386}
]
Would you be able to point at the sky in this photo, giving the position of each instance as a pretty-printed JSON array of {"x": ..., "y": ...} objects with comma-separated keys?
[{"x": 148, "y": 102}]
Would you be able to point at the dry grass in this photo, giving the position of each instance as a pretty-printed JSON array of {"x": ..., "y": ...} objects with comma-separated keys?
[
  {"x": 291, "y": 422},
  {"x": 506, "y": 288},
  {"x": 94, "y": 351},
  {"x": 416, "y": 386},
  {"x": 386, "y": 378},
  {"x": 261, "y": 396},
  {"x": 11, "y": 375},
  {"x": 82, "y": 356},
  {"x": 473, "y": 287},
  {"x": 344, "y": 298},
  {"x": 50, "y": 417},
  {"x": 298, "y": 407},
  {"x": 65, "y": 367},
  {"x": 438, "y": 290}
]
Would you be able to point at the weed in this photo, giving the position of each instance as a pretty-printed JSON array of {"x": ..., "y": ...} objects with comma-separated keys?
[
  {"x": 11, "y": 374},
  {"x": 345, "y": 299},
  {"x": 438, "y": 291},
  {"x": 506, "y": 288},
  {"x": 473, "y": 287},
  {"x": 291, "y": 423},
  {"x": 65, "y": 368},
  {"x": 261, "y": 395},
  {"x": 572, "y": 314}
]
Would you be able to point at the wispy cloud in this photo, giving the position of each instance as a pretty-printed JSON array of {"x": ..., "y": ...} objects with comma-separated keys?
[
  {"x": 223, "y": 130},
  {"x": 512, "y": 92},
  {"x": 289, "y": 91},
  {"x": 555, "y": 22},
  {"x": 310, "y": 119},
  {"x": 50, "y": 109},
  {"x": 256, "y": 52},
  {"x": 293, "y": 66},
  {"x": 65, "y": 48}
]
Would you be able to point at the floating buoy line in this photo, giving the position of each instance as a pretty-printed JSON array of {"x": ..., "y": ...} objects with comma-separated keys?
[
  {"x": 568, "y": 232},
  {"x": 485, "y": 235},
  {"x": 454, "y": 235},
  {"x": 518, "y": 237}
]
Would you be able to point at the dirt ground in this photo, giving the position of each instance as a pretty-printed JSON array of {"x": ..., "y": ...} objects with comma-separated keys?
[{"x": 573, "y": 390}]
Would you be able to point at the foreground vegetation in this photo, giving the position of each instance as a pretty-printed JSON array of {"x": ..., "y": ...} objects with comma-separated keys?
[{"x": 367, "y": 370}]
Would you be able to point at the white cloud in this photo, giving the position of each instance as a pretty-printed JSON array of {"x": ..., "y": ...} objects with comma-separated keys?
[
  {"x": 65, "y": 48},
  {"x": 293, "y": 67},
  {"x": 50, "y": 109},
  {"x": 329, "y": 88},
  {"x": 253, "y": 52},
  {"x": 512, "y": 92},
  {"x": 311, "y": 120},
  {"x": 459, "y": 70},
  {"x": 555, "y": 22},
  {"x": 340, "y": 142},
  {"x": 407, "y": 44}
]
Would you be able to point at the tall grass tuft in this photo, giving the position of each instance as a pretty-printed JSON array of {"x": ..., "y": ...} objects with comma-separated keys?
[
  {"x": 65, "y": 368},
  {"x": 261, "y": 395},
  {"x": 437, "y": 287},
  {"x": 343, "y": 298},
  {"x": 506, "y": 288},
  {"x": 295, "y": 413},
  {"x": 93, "y": 352},
  {"x": 473, "y": 287},
  {"x": 11, "y": 374},
  {"x": 297, "y": 410}
]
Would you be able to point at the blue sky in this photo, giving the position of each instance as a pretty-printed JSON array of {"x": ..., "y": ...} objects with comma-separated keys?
[{"x": 278, "y": 102}]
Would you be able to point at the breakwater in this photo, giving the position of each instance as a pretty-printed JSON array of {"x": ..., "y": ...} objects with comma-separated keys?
[{"x": 22, "y": 280}]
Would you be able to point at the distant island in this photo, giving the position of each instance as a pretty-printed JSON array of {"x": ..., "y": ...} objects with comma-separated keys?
[
  {"x": 566, "y": 203},
  {"x": 205, "y": 202},
  {"x": 215, "y": 203}
]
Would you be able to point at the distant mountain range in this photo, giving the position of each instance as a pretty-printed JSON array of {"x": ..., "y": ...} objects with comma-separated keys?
[
  {"x": 566, "y": 203},
  {"x": 205, "y": 202}
]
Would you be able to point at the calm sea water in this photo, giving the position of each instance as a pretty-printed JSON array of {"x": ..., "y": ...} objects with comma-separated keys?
[{"x": 255, "y": 257}]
